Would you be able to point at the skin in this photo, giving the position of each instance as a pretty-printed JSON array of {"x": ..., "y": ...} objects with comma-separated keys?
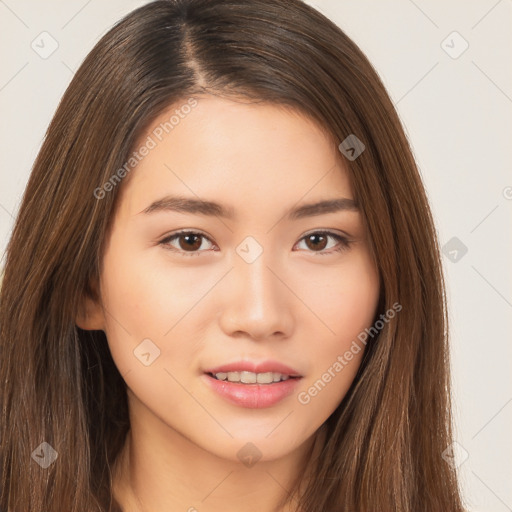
[{"x": 291, "y": 304}]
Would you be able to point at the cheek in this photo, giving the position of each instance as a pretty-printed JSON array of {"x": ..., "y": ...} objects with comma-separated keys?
[
  {"x": 148, "y": 298},
  {"x": 345, "y": 298},
  {"x": 348, "y": 304},
  {"x": 143, "y": 292},
  {"x": 135, "y": 302},
  {"x": 358, "y": 300}
]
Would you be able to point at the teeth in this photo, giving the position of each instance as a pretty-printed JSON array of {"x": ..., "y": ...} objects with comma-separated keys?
[
  {"x": 265, "y": 378},
  {"x": 251, "y": 377},
  {"x": 248, "y": 377},
  {"x": 234, "y": 376}
]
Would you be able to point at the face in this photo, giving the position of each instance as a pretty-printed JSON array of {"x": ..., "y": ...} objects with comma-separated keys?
[{"x": 238, "y": 287}]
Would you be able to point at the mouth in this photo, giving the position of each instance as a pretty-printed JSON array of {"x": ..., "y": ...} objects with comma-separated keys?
[
  {"x": 253, "y": 386},
  {"x": 246, "y": 377}
]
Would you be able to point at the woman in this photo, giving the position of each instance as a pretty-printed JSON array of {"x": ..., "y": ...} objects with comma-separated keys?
[{"x": 170, "y": 340}]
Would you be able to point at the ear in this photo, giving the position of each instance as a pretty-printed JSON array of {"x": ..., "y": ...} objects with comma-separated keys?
[{"x": 90, "y": 316}]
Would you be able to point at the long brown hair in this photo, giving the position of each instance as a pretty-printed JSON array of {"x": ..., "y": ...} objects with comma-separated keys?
[{"x": 383, "y": 445}]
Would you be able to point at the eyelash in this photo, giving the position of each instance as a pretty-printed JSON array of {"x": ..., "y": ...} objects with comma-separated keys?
[{"x": 344, "y": 243}]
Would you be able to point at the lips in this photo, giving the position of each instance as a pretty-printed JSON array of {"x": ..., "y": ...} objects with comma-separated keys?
[
  {"x": 236, "y": 382},
  {"x": 249, "y": 366}
]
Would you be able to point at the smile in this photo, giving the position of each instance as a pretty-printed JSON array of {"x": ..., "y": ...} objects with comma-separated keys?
[
  {"x": 252, "y": 390},
  {"x": 246, "y": 377}
]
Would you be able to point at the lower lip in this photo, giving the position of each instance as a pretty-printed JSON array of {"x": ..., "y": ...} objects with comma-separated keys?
[{"x": 253, "y": 396}]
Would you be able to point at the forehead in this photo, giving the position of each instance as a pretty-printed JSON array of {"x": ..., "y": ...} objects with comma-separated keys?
[{"x": 245, "y": 155}]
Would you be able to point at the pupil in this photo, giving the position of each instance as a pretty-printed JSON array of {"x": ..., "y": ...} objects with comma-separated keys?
[
  {"x": 311, "y": 240},
  {"x": 312, "y": 237},
  {"x": 192, "y": 245}
]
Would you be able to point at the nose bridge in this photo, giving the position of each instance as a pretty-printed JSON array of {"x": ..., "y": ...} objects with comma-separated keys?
[
  {"x": 256, "y": 280},
  {"x": 256, "y": 302},
  {"x": 251, "y": 260},
  {"x": 259, "y": 281}
]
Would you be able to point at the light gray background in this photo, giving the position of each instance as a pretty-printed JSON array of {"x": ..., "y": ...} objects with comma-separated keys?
[{"x": 457, "y": 114}]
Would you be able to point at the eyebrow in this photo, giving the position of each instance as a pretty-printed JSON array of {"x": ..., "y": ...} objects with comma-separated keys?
[{"x": 203, "y": 207}]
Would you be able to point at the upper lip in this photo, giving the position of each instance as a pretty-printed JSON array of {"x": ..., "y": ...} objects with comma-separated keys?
[{"x": 251, "y": 366}]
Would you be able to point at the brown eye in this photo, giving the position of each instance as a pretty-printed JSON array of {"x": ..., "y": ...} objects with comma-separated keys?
[
  {"x": 189, "y": 242},
  {"x": 317, "y": 242}
]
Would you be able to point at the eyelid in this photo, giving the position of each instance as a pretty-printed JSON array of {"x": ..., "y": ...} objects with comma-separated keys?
[
  {"x": 165, "y": 241},
  {"x": 344, "y": 240},
  {"x": 327, "y": 231}
]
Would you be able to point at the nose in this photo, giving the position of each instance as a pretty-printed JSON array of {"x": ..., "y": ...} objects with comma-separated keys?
[{"x": 256, "y": 302}]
